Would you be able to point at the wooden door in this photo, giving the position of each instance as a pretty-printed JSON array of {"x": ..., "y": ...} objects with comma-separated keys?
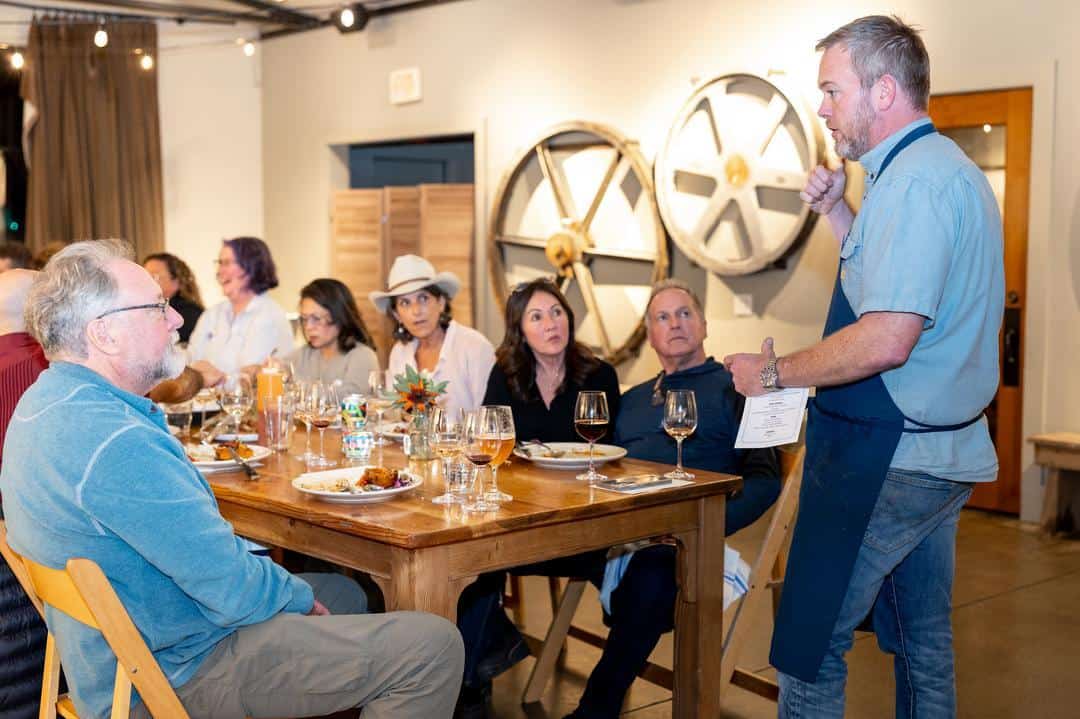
[
  {"x": 446, "y": 238},
  {"x": 356, "y": 252},
  {"x": 995, "y": 128}
]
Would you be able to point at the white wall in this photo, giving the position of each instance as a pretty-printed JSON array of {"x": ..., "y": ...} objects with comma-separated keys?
[
  {"x": 506, "y": 69},
  {"x": 211, "y": 145}
]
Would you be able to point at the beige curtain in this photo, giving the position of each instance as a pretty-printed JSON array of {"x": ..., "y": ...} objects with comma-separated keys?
[{"x": 94, "y": 140}]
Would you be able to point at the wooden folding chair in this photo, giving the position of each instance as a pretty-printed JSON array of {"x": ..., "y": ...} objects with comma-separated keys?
[
  {"x": 82, "y": 591},
  {"x": 766, "y": 577}
]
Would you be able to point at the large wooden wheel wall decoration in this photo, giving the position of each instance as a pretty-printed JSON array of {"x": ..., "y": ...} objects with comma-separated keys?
[
  {"x": 579, "y": 203},
  {"x": 729, "y": 175}
]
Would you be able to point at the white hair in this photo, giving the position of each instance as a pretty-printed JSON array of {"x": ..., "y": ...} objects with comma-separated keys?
[{"x": 74, "y": 287}]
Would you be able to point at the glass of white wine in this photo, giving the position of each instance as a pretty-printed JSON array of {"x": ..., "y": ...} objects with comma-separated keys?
[
  {"x": 680, "y": 421},
  {"x": 504, "y": 421},
  {"x": 446, "y": 436},
  {"x": 380, "y": 398}
]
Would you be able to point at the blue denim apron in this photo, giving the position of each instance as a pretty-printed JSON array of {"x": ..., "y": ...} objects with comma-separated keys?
[{"x": 851, "y": 436}]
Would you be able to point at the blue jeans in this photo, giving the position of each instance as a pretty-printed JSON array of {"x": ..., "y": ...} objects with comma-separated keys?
[{"x": 904, "y": 574}]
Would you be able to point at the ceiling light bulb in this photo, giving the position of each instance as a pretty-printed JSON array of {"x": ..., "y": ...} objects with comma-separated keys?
[
  {"x": 249, "y": 48},
  {"x": 101, "y": 38},
  {"x": 347, "y": 17},
  {"x": 17, "y": 60},
  {"x": 987, "y": 129},
  {"x": 147, "y": 62}
]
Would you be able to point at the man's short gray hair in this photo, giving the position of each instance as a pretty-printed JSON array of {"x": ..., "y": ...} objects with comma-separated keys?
[
  {"x": 883, "y": 45},
  {"x": 74, "y": 287},
  {"x": 673, "y": 283}
]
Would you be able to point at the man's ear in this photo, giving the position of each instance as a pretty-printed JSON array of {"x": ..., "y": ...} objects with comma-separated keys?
[
  {"x": 98, "y": 334},
  {"x": 883, "y": 94}
]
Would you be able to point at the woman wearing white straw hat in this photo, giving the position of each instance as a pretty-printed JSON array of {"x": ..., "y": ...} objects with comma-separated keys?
[{"x": 418, "y": 300}]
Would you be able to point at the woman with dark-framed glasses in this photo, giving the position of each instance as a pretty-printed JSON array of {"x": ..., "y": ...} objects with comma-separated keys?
[{"x": 339, "y": 346}]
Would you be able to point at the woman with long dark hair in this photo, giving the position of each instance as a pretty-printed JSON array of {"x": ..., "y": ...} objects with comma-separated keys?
[
  {"x": 540, "y": 367},
  {"x": 339, "y": 347},
  {"x": 178, "y": 284},
  {"x": 247, "y": 327}
]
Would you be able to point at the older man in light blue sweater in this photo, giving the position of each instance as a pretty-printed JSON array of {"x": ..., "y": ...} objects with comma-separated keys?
[{"x": 90, "y": 471}]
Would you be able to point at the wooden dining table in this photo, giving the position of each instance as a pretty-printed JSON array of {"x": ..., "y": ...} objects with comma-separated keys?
[{"x": 422, "y": 554}]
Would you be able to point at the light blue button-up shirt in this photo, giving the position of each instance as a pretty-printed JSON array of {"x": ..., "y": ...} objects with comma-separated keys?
[{"x": 928, "y": 241}]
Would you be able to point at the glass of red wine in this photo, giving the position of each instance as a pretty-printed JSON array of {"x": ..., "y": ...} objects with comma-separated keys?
[
  {"x": 482, "y": 440},
  {"x": 324, "y": 410},
  {"x": 591, "y": 419}
]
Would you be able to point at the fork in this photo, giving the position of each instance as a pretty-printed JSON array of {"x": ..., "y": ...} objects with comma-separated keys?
[
  {"x": 252, "y": 473},
  {"x": 555, "y": 453}
]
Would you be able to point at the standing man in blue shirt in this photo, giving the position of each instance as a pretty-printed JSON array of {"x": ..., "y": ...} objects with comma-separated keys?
[
  {"x": 90, "y": 471},
  {"x": 908, "y": 362}
]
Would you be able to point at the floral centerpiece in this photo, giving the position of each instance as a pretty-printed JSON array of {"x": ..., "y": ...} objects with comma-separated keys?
[{"x": 417, "y": 392}]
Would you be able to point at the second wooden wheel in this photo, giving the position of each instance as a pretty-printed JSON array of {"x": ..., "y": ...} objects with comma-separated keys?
[{"x": 578, "y": 203}]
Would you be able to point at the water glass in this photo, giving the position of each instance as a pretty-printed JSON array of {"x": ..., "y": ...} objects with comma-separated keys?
[
  {"x": 178, "y": 414},
  {"x": 278, "y": 421}
]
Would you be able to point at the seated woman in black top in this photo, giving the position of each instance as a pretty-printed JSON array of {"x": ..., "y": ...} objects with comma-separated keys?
[{"x": 540, "y": 367}]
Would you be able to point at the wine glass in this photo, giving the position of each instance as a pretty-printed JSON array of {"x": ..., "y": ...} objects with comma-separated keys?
[
  {"x": 591, "y": 420},
  {"x": 380, "y": 397},
  {"x": 324, "y": 409},
  {"x": 505, "y": 435},
  {"x": 481, "y": 446},
  {"x": 680, "y": 421},
  {"x": 236, "y": 396},
  {"x": 446, "y": 435},
  {"x": 302, "y": 413}
]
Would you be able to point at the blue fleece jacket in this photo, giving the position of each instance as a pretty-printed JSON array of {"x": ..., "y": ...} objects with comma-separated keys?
[{"x": 91, "y": 471}]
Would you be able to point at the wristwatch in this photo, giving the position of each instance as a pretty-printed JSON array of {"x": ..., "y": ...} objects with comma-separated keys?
[{"x": 770, "y": 379}]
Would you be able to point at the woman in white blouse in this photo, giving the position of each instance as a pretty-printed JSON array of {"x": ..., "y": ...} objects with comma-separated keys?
[
  {"x": 339, "y": 348},
  {"x": 247, "y": 327},
  {"x": 418, "y": 300}
]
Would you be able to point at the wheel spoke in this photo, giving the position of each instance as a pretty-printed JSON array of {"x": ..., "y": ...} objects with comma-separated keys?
[
  {"x": 521, "y": 241},
  {"x": 588, "y": 293},
  {"x": 563, "y": 202},
  {"x": 717, "y": 204},
  {"x": 616, "y": 161},
  {"x": 634, "y": 255},
  {"x": 779, "y": 179},
  {"x": 774, "y": 117},
  {"x": 705, "y": 105},
  {"x": 753, "y": 242}
]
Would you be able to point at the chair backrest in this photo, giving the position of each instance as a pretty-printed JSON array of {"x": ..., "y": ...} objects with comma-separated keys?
[{"x": 83, "y": 592}]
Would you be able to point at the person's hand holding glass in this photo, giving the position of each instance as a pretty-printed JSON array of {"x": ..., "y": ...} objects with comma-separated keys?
[
  {"x": 680, "y": 421},
  {"x": 324, "y": 409},
  {"x": 481, "y": 446},
  {"x": 380, "y": 398},
  {"x": 446, "y": 439},
  {"x": 591, "y": 419}
]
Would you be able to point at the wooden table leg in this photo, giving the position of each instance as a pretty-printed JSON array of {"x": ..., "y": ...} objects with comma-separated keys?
[
  {"x": 1051, "y": 510},
  {"x": 699, "y": 623},
  {"x": 420, "y": 581}
]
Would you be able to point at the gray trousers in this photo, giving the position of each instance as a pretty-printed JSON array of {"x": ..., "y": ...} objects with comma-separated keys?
[{"x": 399, "y": 664}]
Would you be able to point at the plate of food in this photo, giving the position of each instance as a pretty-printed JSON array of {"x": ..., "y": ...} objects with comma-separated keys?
[
  {"x": 394, "y": 430},
  {"x": 357, "y": 485},
  {"x": 217, "y": 456},
  {"x": 568, "y": 455}
]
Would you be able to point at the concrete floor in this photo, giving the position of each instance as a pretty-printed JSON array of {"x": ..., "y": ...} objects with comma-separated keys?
[{"x": 1015, "y": 619}]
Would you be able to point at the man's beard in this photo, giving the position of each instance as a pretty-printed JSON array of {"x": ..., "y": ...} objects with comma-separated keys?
[
  {"x": 855, "y": 144},
  {"x": 169, "y": 366}
]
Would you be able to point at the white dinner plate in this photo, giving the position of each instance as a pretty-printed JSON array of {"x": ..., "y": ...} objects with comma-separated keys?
[
  {"x": 317, "y": 485},
  {"x": 246, "y": 437},
  {"x": 576, "y": 454},
  {"x": 393, "y": 430},
  {"x": 258, "y": 452}
]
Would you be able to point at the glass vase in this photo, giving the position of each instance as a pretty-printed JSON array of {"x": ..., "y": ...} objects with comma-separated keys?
[{"x": 420, "y": 437}]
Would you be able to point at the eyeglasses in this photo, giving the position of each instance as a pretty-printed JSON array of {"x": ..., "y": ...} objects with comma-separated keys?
[
  {"x": 317, "y": 320},
  {"x": 539, "y": 283},
  {"x": 162, "y": 307}
]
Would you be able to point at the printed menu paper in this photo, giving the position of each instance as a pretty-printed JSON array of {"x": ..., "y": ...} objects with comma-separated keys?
[{"x": 772, "y": 419}]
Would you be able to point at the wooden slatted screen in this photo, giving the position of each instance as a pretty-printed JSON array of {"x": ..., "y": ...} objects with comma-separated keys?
[{"x": 446, "y": 238}]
